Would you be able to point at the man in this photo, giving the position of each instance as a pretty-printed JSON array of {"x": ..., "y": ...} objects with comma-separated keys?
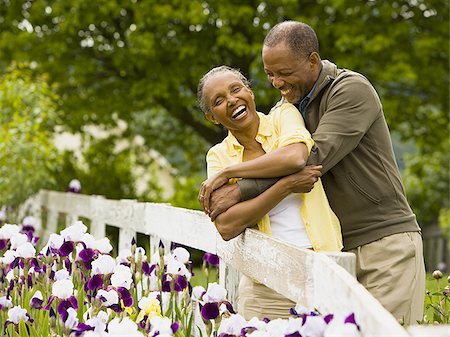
[{"x": 343, "y": 112}]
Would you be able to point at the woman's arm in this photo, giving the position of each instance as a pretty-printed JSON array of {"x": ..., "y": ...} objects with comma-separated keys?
[
  {"x": 277, "y": 163},
  {"x": 245, "y": 214}
]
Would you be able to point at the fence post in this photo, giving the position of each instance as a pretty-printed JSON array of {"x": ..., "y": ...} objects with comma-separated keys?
[
  {"x": 126, "y": 235},
  {"x": 52, "y": 222},
  {"x": 70, "y": 219},
  {"x": 229, "y": 279}
]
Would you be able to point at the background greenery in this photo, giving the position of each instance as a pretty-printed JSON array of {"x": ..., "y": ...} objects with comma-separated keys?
[{"x": 65, "y": 65}]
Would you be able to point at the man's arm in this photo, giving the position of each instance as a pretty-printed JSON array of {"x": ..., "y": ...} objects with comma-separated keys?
[
  {"x": 352, "y": 107},
  {"x": 227, "y": 196},
  {"x": 245, "y": 214}
]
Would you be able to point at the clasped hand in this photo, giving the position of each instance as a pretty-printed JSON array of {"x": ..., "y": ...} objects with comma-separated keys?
[{"x": 208, "y": 186}]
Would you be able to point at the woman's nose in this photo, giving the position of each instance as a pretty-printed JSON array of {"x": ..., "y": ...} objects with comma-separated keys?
[{"x": 232, "y": 100}]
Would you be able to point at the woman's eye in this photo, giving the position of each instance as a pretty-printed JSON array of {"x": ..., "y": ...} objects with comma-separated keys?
[
  {"x": 236, "y": 89},
  {"x": 218, "y": 102}
]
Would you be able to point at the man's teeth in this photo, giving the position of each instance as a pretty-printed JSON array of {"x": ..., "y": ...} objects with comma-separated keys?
[{"x": 238, "y": 111}]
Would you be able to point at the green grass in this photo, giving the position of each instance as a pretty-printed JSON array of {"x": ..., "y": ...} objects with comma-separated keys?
[
  {"x": 201, "y": 279},
  {"x": 434, "y": 298}
]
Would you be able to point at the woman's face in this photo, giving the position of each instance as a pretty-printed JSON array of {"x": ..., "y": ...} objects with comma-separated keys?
[{"x": 230, "y": 102}]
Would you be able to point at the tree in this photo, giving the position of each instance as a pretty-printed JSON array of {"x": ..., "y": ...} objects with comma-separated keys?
[
  {"x": 140, "y": 61},
  {"x": 27, "y": 154}
]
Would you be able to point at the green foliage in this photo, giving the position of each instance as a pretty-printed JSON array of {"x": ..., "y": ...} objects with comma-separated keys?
[
  {"x": 427, "y": 182},
  {"x": 140, "y": 61},
  {"x": 186, "y": 191},
  {"x": 27, "y": 154},
  {"x": 113, "y": 167},
  {"x": 444, "y": 222},
  {"x": 437, "y": 300}
]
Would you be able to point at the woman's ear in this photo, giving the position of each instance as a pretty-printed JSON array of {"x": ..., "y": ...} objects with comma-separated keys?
[{"x": 211, "y": 118}]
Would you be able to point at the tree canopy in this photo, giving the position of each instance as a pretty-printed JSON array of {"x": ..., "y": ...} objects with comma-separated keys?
[{"x": 140, "y": 62}]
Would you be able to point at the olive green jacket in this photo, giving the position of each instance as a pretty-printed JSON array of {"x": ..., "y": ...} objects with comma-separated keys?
[{"x": 353, "y": 144}]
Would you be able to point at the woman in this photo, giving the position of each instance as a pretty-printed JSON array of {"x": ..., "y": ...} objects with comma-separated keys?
[{"x": 260, "y": 146}]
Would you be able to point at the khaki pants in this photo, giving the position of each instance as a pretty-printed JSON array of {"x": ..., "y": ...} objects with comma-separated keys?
[
  {"x": 257, "y": 300},
  {"x": 393, "y": 271}
]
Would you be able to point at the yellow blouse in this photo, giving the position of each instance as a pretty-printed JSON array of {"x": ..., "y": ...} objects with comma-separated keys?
[{"x": 284, "y": 126}]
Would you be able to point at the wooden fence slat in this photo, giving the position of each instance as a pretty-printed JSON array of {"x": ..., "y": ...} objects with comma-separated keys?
[{"x": 187, "y": 227}]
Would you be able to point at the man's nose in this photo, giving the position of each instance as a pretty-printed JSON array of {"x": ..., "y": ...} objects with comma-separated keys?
[{"x": 277, "y": 82}]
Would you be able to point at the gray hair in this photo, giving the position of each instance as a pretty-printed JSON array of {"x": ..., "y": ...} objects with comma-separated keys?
[
  {"x": 214, "y": 71},
  {"x": 298, "y": 36}
]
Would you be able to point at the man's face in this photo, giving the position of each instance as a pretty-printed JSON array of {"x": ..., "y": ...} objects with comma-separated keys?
[{"x": 292, "y": 74}]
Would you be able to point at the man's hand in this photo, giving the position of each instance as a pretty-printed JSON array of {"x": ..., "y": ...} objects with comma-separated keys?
[
  {"x": 222, "y": 199},
  {"x": 303, "y": 181},
  {"x": 208, "y": 186}
]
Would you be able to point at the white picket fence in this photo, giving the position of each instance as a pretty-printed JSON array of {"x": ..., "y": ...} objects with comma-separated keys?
[{"x": 316, "y": 280}]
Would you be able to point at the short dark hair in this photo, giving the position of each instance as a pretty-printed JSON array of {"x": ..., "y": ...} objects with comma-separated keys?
[
  {"x": 214, "y": 71},
  {"x": 298, "y": 36}
]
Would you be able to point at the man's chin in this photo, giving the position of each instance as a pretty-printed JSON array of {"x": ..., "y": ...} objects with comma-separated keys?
[{"x": 292, "y": 100}]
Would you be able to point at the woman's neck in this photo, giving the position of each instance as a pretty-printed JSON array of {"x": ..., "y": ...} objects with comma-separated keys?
[{"x": 247, "y": 137}]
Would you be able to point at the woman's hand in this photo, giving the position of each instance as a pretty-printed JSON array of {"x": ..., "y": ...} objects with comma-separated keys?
[{"x": 208, "y": 186}]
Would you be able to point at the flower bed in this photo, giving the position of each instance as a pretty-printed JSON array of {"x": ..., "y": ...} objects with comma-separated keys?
[{"x": 74, "y": 287}]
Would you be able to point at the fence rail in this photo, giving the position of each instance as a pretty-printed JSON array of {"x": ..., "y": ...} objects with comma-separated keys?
[{"x": 316, "y": 280}]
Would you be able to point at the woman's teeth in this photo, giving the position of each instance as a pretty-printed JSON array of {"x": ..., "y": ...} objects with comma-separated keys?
[{"x": 238, "y": 112}]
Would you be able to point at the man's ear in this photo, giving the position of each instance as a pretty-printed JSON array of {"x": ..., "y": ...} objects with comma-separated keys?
[{"x": 211, "y": 118}]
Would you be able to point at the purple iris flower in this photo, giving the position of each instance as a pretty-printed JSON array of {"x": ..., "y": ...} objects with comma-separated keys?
[
  {"x": 35, "y": 264},
  {"x": 351, "y": 320},
  {"x": 82, "y": 328},
  {"x": 36, "y": 303},
  {"x": 147, "y": 268},
  {"x": 86, "y": 254},
  {"x": 66, "y": 248},
  {"x": 295, "y": 334},
  {"x": 3, "y": 244},
  {"x": 125, "y": 295},
  {"x": 229, "y": 307},
  {"x": 166, "y": 283},
  {"x": 175, "y": 326},
  {"x": 94, "y": 283},
  {"x": 210, "y": 311},
  {"x": 247, "y": 330},
  {"x": 143, "y": 322},
  {"x": 116, "y": 308},
  {"x": 10, "y": 288},
  {"x": 180, "y": 283},
  {"x": 49, "y": 302},
  {"x": 211, "y": 259},
  {"x": 35, "y": 240},
  {"x": 68, "y": 266},
  {"x": 71, "y": 302},
  {"x": 328, "y": 318}
]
